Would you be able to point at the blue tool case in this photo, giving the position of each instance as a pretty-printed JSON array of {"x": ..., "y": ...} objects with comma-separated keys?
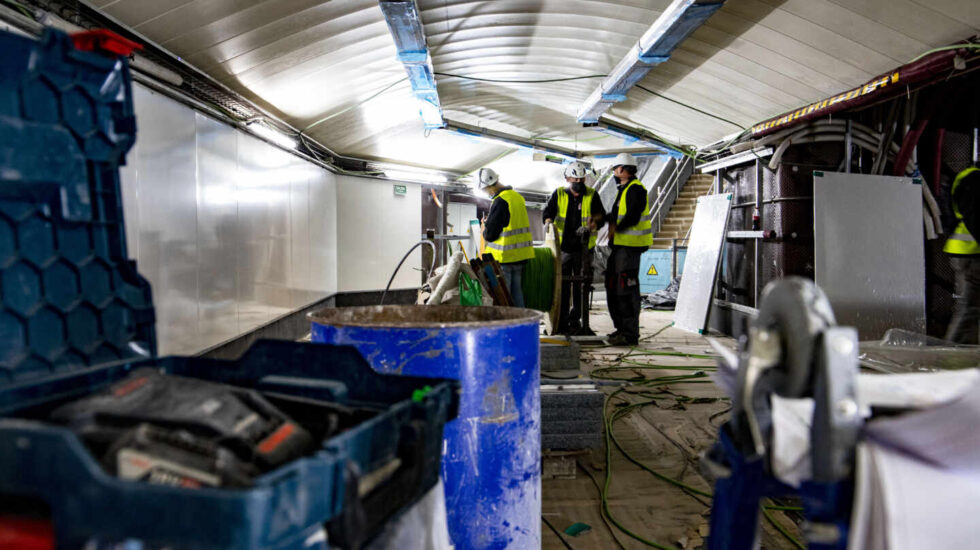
[{"x": 76, "y": 318}]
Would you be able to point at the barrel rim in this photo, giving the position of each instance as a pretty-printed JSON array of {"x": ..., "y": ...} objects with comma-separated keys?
[{"x": 513, "y": 316}]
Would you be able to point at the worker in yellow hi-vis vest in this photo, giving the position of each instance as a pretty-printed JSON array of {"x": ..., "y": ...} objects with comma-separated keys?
[
  {"x": 629, "y": 237},
  {"x": 576, "y": 211},
  {"x": 964, "y": 251},
  {"x": 507, "y": 231}
]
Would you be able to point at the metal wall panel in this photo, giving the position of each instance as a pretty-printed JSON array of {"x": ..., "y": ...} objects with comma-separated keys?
[
  {"x": 377, "y": 227},
  {"x": 217, "y": 229},
  {"x": 868, "y": 251},
  {"x": 230, "y": 231},
  {"x": 299, "y": 231},
  {"x": 167, "y": 195},
  {"x": 323, "y": 233},
  {"x": 264, "y": 176}
]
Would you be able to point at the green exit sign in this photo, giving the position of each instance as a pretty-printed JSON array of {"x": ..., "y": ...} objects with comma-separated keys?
[{"x": 400, "y": 189}]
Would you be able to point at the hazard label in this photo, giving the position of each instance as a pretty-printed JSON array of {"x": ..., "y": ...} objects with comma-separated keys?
[{"x": 652, "y": 270}]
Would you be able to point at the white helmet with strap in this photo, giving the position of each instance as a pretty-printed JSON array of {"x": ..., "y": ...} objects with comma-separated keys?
[
  {"x": 624, "y": 159},
  {"x": 575, "y": 170},
  {"x": 487, "y": 178}
]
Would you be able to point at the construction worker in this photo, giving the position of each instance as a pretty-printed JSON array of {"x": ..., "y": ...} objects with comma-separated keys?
[
  {"x": 507, "y": 232},
  {"x": 629, "y": 237},
  {"x": 964, "y": 251},
  {"x": 576, "y": 211}
]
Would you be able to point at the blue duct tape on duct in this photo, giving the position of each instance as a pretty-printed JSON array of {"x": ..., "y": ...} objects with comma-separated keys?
[
  {"x": 406, "y": 28},
  {"x": 678, "y": 21}
]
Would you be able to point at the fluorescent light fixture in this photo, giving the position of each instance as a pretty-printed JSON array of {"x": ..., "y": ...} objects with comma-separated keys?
[
  {"x": 427, "y": 177},
  {"x": 275, "y": 136},
  {"x": 735, "y": 160},
  {"x": 501, "y": 142},
  {"x": 405, "y": 25},
  {"x": 675, "y": 24},
  {"x": 508, "y": 140}
]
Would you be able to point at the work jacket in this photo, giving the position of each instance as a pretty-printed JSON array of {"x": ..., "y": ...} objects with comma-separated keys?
[
  {"x": 514, "y": 243},
  {"x": 562, "y": 195},
  {"x": 961, "y": 242},
  {"x": 638, "y": 235}
]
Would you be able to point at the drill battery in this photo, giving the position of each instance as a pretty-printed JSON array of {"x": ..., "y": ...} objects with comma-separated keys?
[{"x": 183, "y": 431}]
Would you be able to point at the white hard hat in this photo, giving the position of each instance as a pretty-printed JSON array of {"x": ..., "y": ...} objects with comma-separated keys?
[
  {"x": 575, "y": 170},
  {"x": 488, "y": 177},
  {"x": 624, "y": 159}
]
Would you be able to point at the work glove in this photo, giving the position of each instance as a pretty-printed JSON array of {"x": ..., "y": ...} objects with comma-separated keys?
[{"x": 582, "y": 231}]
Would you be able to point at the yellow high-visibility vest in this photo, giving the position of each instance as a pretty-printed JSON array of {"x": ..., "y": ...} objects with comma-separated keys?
[
  {"x": 640, "y": 234},
  {"x": 961, "y": 241},
  {"x": 563, "y": 201},
  {"x": 515, "y": 241}
]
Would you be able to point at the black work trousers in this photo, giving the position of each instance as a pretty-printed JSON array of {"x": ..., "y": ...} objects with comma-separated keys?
[
  {"x": 623, "y": 290},
  {"x": 965, "y": 324},
  {"x": 572, "y": 265}
]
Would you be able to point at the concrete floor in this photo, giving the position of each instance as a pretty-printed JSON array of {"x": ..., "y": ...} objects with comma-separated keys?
[{"x": 666, "y": 436}]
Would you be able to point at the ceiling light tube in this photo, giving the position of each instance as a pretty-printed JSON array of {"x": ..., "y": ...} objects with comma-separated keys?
[
  {"x": 268, "y": 133},
  {"x": 427, "y": 177}
]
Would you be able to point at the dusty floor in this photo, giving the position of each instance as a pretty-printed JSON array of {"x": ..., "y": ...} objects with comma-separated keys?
[{"x": 667, "y": 436}]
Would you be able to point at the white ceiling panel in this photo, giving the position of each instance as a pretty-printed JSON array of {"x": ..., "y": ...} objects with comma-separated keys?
[{"x": 310, "y": 59}]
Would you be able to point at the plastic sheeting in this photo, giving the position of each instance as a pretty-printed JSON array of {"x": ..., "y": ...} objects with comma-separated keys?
[
  {"x": 663, "y": 299},
  {"x": 903, "y": 351}
]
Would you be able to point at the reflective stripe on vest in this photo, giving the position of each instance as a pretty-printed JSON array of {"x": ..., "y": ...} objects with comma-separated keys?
[
  {"x": 515, "y": 241},
  {"x": 640, "y": 234},
  {"x": 961, "y": 241},
  {"x": 586, "y": 212}
]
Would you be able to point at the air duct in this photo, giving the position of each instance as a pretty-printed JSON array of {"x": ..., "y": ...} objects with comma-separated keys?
[
  {"x": 405, "y": 24},
  {"x": 655, "y": 46}
]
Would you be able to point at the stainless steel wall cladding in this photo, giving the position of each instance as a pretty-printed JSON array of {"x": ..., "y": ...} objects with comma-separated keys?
[
  {"x": 868, "y": 247},
  {"x": 231, "y": 231}
]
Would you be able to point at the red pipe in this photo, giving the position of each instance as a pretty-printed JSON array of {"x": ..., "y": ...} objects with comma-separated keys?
[
  {"x": 890, "y": 84},
  {"x": 908, "y": 145}
]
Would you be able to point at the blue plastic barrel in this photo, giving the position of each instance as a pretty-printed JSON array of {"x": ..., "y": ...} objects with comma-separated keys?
[{"x": 491, "y": 452}]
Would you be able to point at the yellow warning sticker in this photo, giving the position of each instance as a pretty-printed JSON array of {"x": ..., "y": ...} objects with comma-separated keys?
[{"x": 652, "y": 270}]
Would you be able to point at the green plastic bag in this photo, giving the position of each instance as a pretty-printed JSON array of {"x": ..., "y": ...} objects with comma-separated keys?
[{"x": 470, "y": 293}]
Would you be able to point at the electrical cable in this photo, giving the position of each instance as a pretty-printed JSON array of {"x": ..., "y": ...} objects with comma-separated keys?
[
  {"x": 970, "y": 46},
  {"x": 782, "y": 530},
  {"x": 655, "y": 334},
  {"x": 19, "y": 7},
  {"x": 691, "y": 107},
  {"x": 405, "y": 257},
  {"x": 628, "y": 407},
  {"x": 602, "y": 514},
  {"x": 555, "y": 531}
]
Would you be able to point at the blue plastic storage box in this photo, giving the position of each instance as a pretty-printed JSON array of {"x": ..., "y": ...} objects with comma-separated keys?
[{"x": 75, "y": 317}]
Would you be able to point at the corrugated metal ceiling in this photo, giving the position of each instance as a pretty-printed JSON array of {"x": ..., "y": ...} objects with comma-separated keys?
[{"x": 308, "y": 59}]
